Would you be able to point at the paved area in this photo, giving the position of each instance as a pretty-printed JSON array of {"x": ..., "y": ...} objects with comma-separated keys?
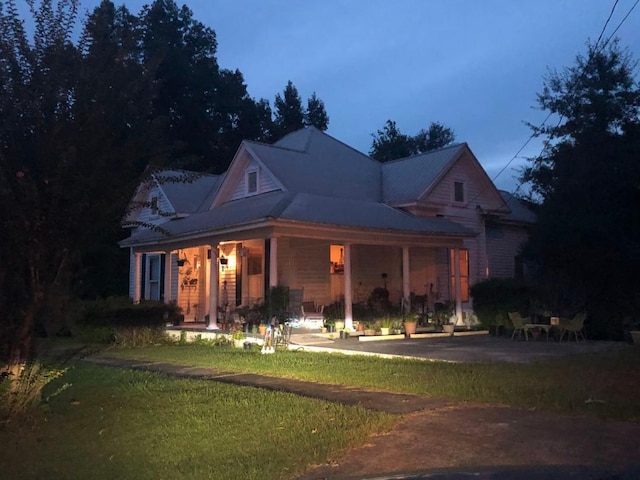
[{"x": 475, "y": 348}]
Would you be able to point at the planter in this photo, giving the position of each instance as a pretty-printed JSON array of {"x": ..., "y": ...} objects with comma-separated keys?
[
  {"x": 323, "y": 329},
  {"x": 409, "y": 328},
  {"x": 344, "y": 334},
  {"x": 635, "y": 336},
  {"x": 339, "y": 325},
  {"x": 239, "y": 343},
  {"x": 369, "y": 332},
  {"x": 384, "y": 331},
  {"x": 262, "y": 330},
  {"x": 360, "y": 327},
  {"x": 449, "y": 328}
]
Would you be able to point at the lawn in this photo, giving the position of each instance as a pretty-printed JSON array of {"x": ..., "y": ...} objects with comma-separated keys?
[
  {"x": 112, "y": 423},
  {"x": 607, "y": 385}
]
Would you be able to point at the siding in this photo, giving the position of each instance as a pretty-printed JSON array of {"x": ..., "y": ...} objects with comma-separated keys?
[
  {"x": 504, "y": 243},
  {"x": 368, "y": 265},
  {"x": 265, "y": 182},
  {"x": 309, "y": 268}
]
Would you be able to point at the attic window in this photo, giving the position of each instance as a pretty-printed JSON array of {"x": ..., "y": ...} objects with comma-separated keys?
[
  {"x": 458, "y": 192},
  {"x": 252, "y": 182}
]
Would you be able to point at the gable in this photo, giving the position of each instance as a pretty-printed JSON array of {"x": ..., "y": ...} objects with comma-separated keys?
[
  {"x": 156, "y": 207},
  {"x": 464, "y": 184},
  {"x": 253, "y": 180}
]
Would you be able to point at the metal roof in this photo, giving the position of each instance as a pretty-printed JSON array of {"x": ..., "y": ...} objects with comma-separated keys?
[{"x": 406, "y": 179}]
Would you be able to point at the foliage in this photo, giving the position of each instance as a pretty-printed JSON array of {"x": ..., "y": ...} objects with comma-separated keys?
[
  {"x": 588, "y": 182},
  {"x": 493, "y": 299},
  {"x": 390, "y": 144},
  {"x": 25, "y": 391},
  {"x": 290, "y": 116}
]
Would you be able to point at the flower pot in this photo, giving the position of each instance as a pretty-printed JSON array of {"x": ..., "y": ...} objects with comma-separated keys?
[
  {"x": 448, "y": 328},
  {"x": 339, "y": 325},
  {"x": 384, "y": 331},
  {"x": 239, "y": 343},
  {"x": 369, "y": 332},
  {"x": 323, "y": 329},
  {"x": 360, "y": 327},
  {"x": 262, "y": 330},
  {"x": 409, "y": 328},
  {"x": 344, "y": 334}
]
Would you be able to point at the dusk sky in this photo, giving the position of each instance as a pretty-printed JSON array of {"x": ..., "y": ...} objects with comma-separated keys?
[{"x": 474, "y": 66}]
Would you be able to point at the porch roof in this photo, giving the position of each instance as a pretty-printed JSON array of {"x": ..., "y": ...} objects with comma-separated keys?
[{"x": 299, "y": 207}]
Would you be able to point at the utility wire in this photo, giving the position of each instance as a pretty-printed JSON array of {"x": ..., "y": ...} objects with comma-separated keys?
[{"x": 534, "y": 134}]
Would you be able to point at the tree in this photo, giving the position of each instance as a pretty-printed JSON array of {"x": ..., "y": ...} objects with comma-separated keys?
[
  {"x": 436, "y": 136},
  {"x": 390, "y": 144},
  {"x": 289, "y": 115},
  {"x": 316, "y": 114},
  {"x": 588, "y": 183}
]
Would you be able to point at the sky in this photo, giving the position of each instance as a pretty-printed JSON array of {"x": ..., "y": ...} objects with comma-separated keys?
[{"x": 473, "y": 65}]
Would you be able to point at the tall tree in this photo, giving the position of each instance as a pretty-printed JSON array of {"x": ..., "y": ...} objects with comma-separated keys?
[
  {"x": 316, "y": 114},
  {"x": 588, "y": 182},
  {"x": 289, "y": 115},
  {"x": 391, "y": 144}
]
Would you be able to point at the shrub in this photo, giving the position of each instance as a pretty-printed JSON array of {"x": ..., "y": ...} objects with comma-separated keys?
[{"x": 494, "y": 298}]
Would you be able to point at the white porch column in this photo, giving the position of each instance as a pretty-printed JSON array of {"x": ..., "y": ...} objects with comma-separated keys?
[
  {"x": 458, "y": 285},
  {"x": 348, "y": 301},
  {"x": 136, "y": 258},
  {"x": 406, "y": 277},
  {"x": 273, "y": 262},
  {"x": 167, "y": 276},
  {"x": 213, "y": 289}
]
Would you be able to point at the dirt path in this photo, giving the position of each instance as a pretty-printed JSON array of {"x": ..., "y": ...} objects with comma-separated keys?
[{"x": 476, "y": 438}]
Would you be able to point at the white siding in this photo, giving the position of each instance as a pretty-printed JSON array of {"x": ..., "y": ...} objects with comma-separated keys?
[
  {"x": 369, "y": 263},
  {"x": 309, "y": 268},
  {"x": 265, "y": 182},
  {"x": 503, "y": 245},
  {"x": 132, "y": 275}
]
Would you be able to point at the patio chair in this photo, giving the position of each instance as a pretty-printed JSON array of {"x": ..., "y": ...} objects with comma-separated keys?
[
  {"x": 312, "y": 314},
  {"x": 519, "y": 325},
  {"x": 573, "y": 325}
]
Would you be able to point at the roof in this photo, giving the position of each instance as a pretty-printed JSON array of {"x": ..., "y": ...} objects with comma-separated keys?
[
  {"x": 301, "y": 207},
  {"x": 311, "y": 161},
  {"x": 408, "y": 178},
  {"x": 187, "y": 191},
  {"x": 519, "y": 210}
]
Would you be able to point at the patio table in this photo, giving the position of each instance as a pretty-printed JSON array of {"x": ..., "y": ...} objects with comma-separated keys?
[{"x": 543, "y": 326}]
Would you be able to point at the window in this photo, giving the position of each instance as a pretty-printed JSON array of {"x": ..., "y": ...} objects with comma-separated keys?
[
  {"x": 252, "y": 181},
  {"x": 336, "y": 253},
  {"x": 254, "y": 264},
  {"x": 458, "y": 191},
  {"x": 464, "y": 273}
]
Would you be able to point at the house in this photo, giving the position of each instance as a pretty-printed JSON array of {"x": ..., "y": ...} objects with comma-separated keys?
[{"x": 312, "y": 213}]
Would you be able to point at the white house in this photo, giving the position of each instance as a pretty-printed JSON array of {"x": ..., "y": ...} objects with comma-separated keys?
[{"x": 312, "y": 213}]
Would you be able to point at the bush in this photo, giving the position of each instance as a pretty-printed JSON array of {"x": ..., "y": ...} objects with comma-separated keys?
[
  {"x": 494, "y": 298},
  {"x": 119, "y": 321}
]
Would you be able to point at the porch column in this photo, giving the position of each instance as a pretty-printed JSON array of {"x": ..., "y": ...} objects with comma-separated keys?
[
  {"x": 348, "y": 301},
  {"x": 406, "y": 294},
  {"x": 167, "y": 276},
  {"x": 273, "y": 262},
  {"x": 458, "y": 285},
  {"x": 213, "y": 289},
  {"x": 136, "y": 258}
]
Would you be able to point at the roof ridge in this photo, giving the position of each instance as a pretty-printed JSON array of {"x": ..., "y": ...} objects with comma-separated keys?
[{"x": 430, "y": 152}]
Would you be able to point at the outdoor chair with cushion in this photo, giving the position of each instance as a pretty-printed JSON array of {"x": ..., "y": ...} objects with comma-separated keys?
[
  {"x": 312, "y": 314},
  {"x": 573, "y": 325},
  {"x": 519, "y": 325}
]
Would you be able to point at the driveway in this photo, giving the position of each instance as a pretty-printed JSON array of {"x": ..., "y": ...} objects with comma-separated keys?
[{"x": 468, "y": 348}]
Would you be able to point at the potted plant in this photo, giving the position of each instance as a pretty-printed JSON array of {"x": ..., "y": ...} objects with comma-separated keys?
[
  {"x": 369, "y": 329},
  {"x": 385, "y": 325},
  {"x": 262, "y": 329},
  {"x": 410, "y": 324}
]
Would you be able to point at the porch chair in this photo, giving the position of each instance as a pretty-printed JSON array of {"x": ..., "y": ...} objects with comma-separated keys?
[
  {"x": 312, "y": 314},
  {"x": 519, "y": 325},
  {"x": 573, "y": 325}
]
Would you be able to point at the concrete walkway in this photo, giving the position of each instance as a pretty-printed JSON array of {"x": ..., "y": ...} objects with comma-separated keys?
[{"x": 473, "y": 348}]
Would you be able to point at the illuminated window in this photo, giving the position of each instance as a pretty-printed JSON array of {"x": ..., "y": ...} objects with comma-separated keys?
[
  {"x": 252, "y": 181},
  {"x": 458, "y": 191},
  {"x": 464, "y": 273},
  {"x": 337, "y": 259}
]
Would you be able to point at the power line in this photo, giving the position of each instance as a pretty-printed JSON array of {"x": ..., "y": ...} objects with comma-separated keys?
[
  {"x": 606, "y": 23},
  {"x": 621, "y": 22}
]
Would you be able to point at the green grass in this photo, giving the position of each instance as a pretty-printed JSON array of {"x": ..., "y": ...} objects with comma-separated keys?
[
  {"x": 114, "y": 423},
  {"x": 607, "y": 385}
]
